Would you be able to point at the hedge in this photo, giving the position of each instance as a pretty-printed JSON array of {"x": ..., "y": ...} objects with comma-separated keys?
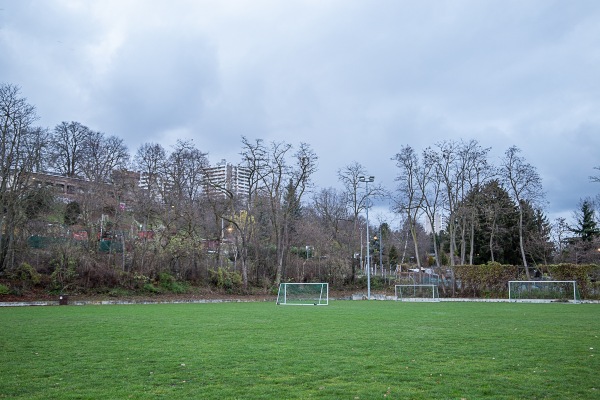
[{"x": 491, "y": 280}]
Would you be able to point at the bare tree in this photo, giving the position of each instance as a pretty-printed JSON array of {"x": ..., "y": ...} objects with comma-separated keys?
[
  {"x": 430, "y": 185},
  {"x": 185, "y": 170},
  {"x": 410, "y": 194},
  {"x": 102, "y": 155},
  {"x": 67, "y": 148},
  {"x": 560, "y": 233},
  {"x": 330, "y": 206},
  {"x": 150, "y": 160},
  {"x": 298, "y": 181},
  {"x": 245, "y": 221},
  {"x": 477, "y": 172},
  {"x": 324, "y": 230},
  {"x": 357, "y": 196},
  {"x": 448, "y": 169},
  {"x": 20, "y": 149},
  {"x": 462, "y": 167},
  {"x": 38, "y": 146},
  {"x": 283, "y": 178},
  {"x": 235, "y": 209},
  {"x": 524, "y": 185},
  {"x": 182, "y": 224},
  {"x": 337, "y": 227}
]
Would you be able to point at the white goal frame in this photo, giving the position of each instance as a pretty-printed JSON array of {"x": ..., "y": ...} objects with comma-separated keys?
[
  {"x": 569, "y": 295},
  {"x": 435, "y": 295},
  {"x": 291, "y": 294}
]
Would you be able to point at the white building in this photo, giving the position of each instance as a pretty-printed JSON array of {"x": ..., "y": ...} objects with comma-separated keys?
[
  {"x": 438, "y": 223},
  {"x": 226, "y": 177}
]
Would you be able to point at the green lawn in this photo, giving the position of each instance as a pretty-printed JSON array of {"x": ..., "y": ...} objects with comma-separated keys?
[{"x": 347, "y": 350}]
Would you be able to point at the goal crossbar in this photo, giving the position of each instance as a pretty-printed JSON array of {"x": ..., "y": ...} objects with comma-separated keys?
[
  {"x": 303, "y": 294},
  {"x": 543, "y": 291}
]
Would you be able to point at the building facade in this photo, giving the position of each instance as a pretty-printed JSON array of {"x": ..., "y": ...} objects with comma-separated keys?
[{"x": 225, "y": 177}]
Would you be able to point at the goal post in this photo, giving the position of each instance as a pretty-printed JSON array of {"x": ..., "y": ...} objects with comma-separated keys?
[
  {"x": 417, "y": 292},
  {"x": 303, "y": 294},
  {"x": 543, "y": 291}
]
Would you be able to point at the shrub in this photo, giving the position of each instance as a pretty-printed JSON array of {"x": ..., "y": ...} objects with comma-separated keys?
[
  {"x": 377, "y": 282},
  {"x": 64, "y": 273},
  {"x": 168, "y": 283},
  {"x": 4, "y": 289},
  {"x": 490, "y": 280},
  {"x": 487, "y": 279},
  {"x": 150, "y": 288},
  {"x": 225, "y": 279},
  {"x": 26, "y": 275},
  {"x": 579, "y": 273}
]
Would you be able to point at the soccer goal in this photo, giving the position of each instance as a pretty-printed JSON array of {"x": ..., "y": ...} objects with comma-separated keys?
[
  {"x": 543, "y": 291},
  {"x": 303, "y": 294},
  {"x": 417, "y": 293}
]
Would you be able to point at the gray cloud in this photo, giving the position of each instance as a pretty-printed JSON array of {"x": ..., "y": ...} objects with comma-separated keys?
[
  {"x": 156, "y": 84},
  {"x": 355, "y": 79}
]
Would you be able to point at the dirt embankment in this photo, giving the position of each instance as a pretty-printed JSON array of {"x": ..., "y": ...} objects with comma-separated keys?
[{"x": 204, "y": 295}]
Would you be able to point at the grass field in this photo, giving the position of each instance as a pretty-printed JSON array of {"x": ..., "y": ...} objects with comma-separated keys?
[{"x": 347, "y": 350}]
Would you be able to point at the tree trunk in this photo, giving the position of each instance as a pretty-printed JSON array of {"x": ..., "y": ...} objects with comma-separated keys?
[
  {"x": 522, "y": 244},
  {"x": 492, "y": 240},
  {"x": 472, "y": 241}
]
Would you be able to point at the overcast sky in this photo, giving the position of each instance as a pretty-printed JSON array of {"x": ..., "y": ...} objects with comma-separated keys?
[{"x": 354, "y": 79}]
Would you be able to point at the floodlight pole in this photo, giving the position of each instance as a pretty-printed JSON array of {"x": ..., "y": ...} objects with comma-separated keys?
[
  {"x": 362, "y": 265},
  {"x": 366, "y": 180},
  {"x": 381, "y": 251}
]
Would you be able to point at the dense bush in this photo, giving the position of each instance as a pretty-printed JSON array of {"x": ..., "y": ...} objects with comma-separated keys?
[
  {"x": 25, "y": 276},
  {"x": 168, "y": 283},
  {"x": 583, "y": 274},
  {"x": 491, "y": 280},
  {"x": 4, "y": 289},
  {"x": 230, "y": 281},
  {"x": 487, "y": 280}
]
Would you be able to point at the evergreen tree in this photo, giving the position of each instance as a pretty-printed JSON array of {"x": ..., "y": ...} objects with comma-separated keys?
[
  {"x": 537, "y": 235},
  {"x": 496, "y": 237},
  {"x": 393, "y": 255},
  {"x": 72, "y": 213},
  {"x": 586, "y": 228}
]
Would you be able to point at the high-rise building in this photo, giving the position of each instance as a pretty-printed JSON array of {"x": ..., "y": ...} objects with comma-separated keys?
[
  {"x": 226, "y": 177},
  {"x": 438, "y": 223}
]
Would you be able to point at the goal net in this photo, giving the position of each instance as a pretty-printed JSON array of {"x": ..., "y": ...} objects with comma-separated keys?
[
  {"x": 417, "y": 293},
  {"x": 303, "y": 294},
  {"x": 542, "y": 291}
]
